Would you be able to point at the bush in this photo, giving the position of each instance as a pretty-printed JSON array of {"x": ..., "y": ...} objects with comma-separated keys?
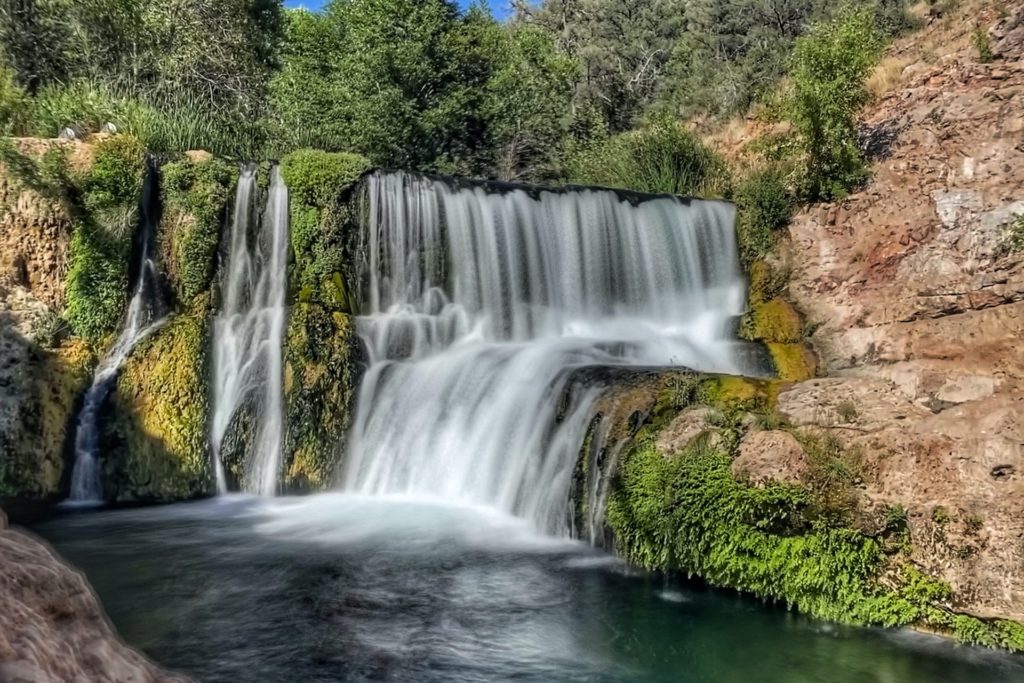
[
  {"x": 198, "y": 193},
  {"x": 983, "y": 45},
  {"x": 829, "y": 67},
  {"x": 662, "y": 158},
  {"x": 765, "y": 203},
  {"x": 117, "y": 173},
  {"x": 13, "y": 103},
  {"x": 97, "y": 281},
  {"x": 1015, "y": 234}
]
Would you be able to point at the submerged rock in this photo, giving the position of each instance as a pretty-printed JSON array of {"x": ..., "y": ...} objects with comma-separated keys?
[{"x": 52, "y": 628}]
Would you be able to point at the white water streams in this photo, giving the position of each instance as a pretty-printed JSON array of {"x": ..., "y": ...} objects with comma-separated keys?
[
  {"x": 144, "y": 316},
  {"x": 249, "y": 331},
  {"x": 481, "y": 303}
]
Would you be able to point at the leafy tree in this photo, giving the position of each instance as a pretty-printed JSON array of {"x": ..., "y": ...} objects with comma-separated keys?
[
  {"x": 528, "y": 104},
  {"x": 622, "y": 47},
  {"x": 309, "y": 95},
  {"x": 828, "y": 69},
  {"x": 732, "y": 52}
]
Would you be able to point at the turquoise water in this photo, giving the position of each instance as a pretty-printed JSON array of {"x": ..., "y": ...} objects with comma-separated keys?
[{"x": 337, "y": 588}]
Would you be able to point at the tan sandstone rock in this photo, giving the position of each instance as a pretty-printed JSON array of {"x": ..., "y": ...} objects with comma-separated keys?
[
  {"x": 770, "y": 456},
  {"x": 52, "y": 628}
]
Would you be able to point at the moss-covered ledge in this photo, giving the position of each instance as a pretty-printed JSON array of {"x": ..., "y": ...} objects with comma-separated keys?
[
  {"x": 324, "y": 226},
  {"x": 322, "y": 350},
  {"x": 679, "y": 503},
  {"x": 195, "y": 194}
]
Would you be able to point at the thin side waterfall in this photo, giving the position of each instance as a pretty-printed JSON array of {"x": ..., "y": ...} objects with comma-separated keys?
[
  {"x": 144, "y": 316},
  {"x": 248, "y": 334},
  {"x": 481, "y": 304}
]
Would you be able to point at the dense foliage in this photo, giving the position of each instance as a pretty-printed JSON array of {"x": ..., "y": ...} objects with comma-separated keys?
[
  {"x": 195, "y": 198},
  {"x": 421, "y": 84}
]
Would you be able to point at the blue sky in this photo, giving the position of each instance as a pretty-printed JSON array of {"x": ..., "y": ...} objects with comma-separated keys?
[{"x": 498, "y": 7}]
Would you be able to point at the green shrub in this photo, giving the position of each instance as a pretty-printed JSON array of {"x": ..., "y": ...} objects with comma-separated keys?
[
  {"x": 982, "y": 43},
  {"x": 662, "y": 158},
  {"x": 829, "y": 67},
  {"x": 1015, "y": 234},
  {"x": 197, "y": 194},
  {"x": 97, "y": 281},
  {"x": 117, "y": 173},
  {"x": 765, "y": 202}
]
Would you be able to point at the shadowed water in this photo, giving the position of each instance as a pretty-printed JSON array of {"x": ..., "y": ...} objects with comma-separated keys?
[{"x": 343, "y": 588}]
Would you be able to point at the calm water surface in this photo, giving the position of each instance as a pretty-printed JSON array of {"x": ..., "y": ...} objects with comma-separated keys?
[{"x": 338, "y": 588}]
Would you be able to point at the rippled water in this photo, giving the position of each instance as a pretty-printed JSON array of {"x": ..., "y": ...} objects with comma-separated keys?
[{"x": 342, "y": 588}]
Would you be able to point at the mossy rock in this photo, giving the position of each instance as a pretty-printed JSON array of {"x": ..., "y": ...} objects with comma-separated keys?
[
  {"x": 793, "y": 362},
  {"x": 690, "y": 514},
  {"x": 50, "y": 384},
  {"x": 773, "y": 321},
  {"x": 155, "y": 434},
  {"x": 324, "y": 225},
  {"x": 322, "y": 363},
  {"x": 196, "y": 197}
]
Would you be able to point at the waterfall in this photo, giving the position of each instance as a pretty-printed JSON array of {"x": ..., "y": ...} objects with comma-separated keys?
[
  {"x": 483, "y": 299},
  {"x": 145, "y": 314},
  {"x": 248, "y": 333}
]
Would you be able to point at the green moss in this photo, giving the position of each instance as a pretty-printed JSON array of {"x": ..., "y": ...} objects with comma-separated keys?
[
  {"x": 766, "y": 281},
  {"x": 115, "y": 177},
  {"x": 773, "y": 321},
  {"x": 793, "y": 362},
  {"x": 689, "y": 514},
  {"x": 195, "y": 197},
  {"x": 323, "y": 227},
  {"x": 315, "y": 178},
  {"x": 320, "y": 383},
  {"x": 154, "y": 439},
  {"x": 97, "y": 280}
]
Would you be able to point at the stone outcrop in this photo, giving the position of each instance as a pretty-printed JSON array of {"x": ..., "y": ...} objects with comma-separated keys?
[
  {"x": 917, "y": 298},
  {"x": 52, "y": 628}
]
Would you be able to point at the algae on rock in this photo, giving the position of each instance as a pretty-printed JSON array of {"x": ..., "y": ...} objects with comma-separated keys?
[
  {"x": 155, "y": 438},
  {"x": 195, "y": 197},
  {"x": 321, "y": 363}
]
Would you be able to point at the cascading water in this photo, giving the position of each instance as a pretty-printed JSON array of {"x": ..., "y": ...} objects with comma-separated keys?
[
  {"x": 249, "y": 331},
  {"x": 481, "y": 303},
  {"x": 145, "y": 314}
]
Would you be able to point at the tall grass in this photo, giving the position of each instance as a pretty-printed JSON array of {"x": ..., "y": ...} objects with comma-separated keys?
[{"x": 171, "y": 126}]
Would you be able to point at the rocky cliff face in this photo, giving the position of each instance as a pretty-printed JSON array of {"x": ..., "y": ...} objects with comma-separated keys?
[
  {"x": 52, "y": 628},
  {"x": 912, "y": 437},
  {"x": 916, "y": 286}
]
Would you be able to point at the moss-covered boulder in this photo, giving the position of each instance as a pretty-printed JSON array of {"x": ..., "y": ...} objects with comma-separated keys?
[
  {"x": 195, "y": 194},
  {"x": 803, "y": 541},
  {"x": 155, "y": 430},
  {"x": 321, "y": 373},
  {"x": 324, "y": 225}
]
